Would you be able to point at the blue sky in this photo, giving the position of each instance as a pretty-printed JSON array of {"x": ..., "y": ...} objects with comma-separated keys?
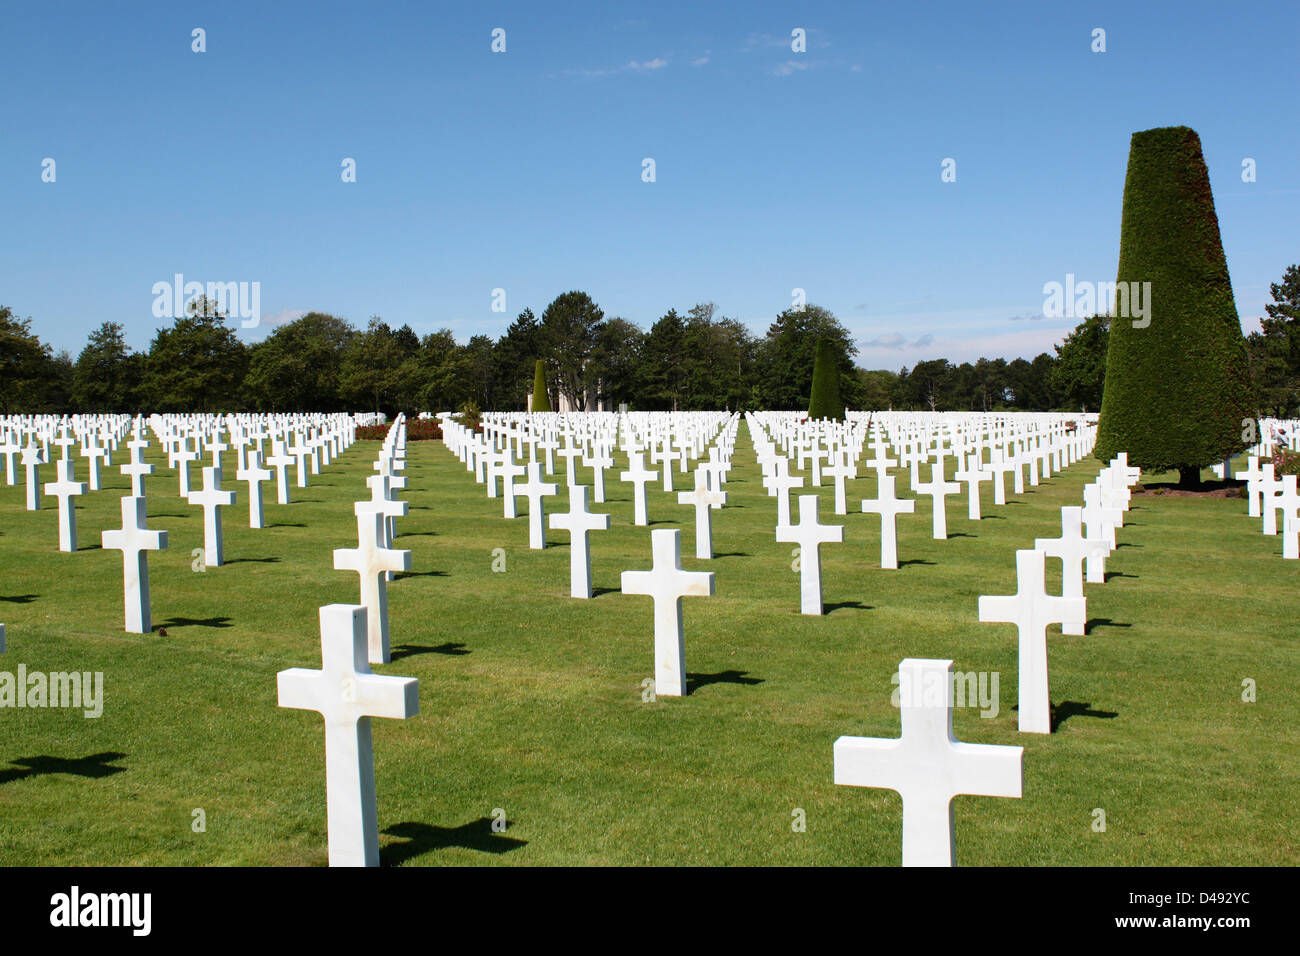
[{"x": 522, "y": 170}]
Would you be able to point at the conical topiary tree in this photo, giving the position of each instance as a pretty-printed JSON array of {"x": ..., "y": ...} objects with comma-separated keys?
[
  {"x": 541, "y": 400},
  {"x": 1178, "y": 392},
  {"x": 824, "y": 402}
]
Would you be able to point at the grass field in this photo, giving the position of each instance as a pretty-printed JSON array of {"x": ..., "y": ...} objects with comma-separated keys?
[{"x": 531, "y": 702}]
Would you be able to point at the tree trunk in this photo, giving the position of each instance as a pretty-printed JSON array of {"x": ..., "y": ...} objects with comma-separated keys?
[{"x": 1189, "y": 476}]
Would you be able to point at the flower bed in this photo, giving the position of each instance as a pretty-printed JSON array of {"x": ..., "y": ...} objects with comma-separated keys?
[{"x": 420, "y": 429}]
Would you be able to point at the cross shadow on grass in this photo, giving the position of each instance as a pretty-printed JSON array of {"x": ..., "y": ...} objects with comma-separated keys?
[
  {"x": 597, "y": 592},
  {"x": 252, "y": 561},
  {"x": 1120, "y": 574},
  {"x": 20, "y": 598},
  {"x": 695, "y": 681},
  {"x": 1073, "y": 708},
  {"x": 845, "y": 606},
  {"x": 285, "y": 524},
  {"x": 731, "y": 554},
  {"x": 903, "y": 564},
  {"x": 411, "y": 650},
  {"x": 419, "y": 574},
  {"x": 94, "y": 766},
  {"x": 1096, "y": 622},
  {"x": 195, "y": 622},
  {"x": 422, "y": 838}
]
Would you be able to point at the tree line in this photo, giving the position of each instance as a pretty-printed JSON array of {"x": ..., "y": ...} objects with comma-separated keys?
[{"x": 697, "y": 360}]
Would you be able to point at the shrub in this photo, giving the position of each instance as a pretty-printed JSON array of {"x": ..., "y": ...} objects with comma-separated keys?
[{"x": 1177, "y": 391}]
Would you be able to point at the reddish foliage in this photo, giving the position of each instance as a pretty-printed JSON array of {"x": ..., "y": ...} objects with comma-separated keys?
[{"x": 419, "y": 429}]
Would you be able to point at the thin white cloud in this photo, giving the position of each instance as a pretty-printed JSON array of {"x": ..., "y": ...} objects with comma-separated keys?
[
  {"x": 699, "y": 61},
  {"x": 789, "y": 67},
  {"x": 631, "y": 66}
]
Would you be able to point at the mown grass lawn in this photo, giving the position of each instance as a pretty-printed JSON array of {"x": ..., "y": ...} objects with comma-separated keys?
[{"x": 531, "y": 702}]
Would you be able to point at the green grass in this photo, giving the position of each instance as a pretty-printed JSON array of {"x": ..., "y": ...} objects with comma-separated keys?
[{"x": 531, "y": 702}]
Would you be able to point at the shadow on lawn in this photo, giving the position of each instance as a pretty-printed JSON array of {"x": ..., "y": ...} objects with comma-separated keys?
[
  {"x": 195, "y": 622},
  {"x": 95, "y": 766},
  {"x": 421, "y": 838},
  {"x": 20, "y": 598},
  {"x": 410, "y": 650},
  {"x": 1073, "y": 708},
  {"x": 846, "y": 605},
  {"x": 695, "y": 681},
  {"x": 1096, "y": 622},
  {"x": 253, "y": 561}
]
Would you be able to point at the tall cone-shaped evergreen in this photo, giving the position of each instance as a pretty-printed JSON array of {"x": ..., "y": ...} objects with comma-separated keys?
[
  {"x": 824, "y": 402},
  {"x": 541, "y": 400},
  {"x": 1178, "y": 391}
]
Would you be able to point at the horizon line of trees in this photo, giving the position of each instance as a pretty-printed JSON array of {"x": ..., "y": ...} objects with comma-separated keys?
[{"x": 701, "y": 360}]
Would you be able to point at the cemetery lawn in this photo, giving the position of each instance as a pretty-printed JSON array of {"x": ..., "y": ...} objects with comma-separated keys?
[{"x": 531, "y": 702}]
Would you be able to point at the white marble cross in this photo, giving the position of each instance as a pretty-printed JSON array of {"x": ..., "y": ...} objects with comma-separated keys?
[
  {"x": 938, "y": 489},
  {"x": 32, "y": 459},
  {"x": 181, "y": 459},
  {"x": 212, "y": 499},
  {"x": 509, "y": 471},
  {"x": 371, "y": 559},
  {"x": 779, "y": 485},
  {"x": 704, "y": 500},
  {"x": 1252, "y": 473},
  {"x": 254, "y": 474},
  {"x": 1073, "y": 549},
  {"x": 137, "y": 468},
  {"x": 280, "y": 460},
  {"x": 640, "y": 476},
  {"x": 579, "y": 522},
  {"x": 134, "y": 540},
  {"x": 927, "y": 765},
  {"x": 65, "y": 489},
  {"x": 809, "y": 534},
  {"x": 1031, "y": 609},
  {"x": 971, "y": 474},
  {"x": 889, "y": 508},
  {"x": 840, "y": 471},
  {"x": 667, "y": 583},
  {"x": 347, "y": 694},
  {"x": 536, "y": 490}
]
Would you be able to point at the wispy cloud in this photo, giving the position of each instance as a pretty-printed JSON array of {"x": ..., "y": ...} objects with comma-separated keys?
[
  {"x": 631, "y": 66},
  {"x": 789, "y": 67},
  {"x": 699, "y": 61},
  {"x": 897, "y": 342}
]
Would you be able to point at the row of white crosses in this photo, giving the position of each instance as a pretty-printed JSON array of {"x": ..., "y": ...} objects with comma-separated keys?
[
  {"x": 840, "y": 445},
  {"x": 492, "y": 457},
  {"x": 100, "y": 437},
  {"x": 345, "y": 691},
  {"x": 927, "y": 765},
  {"x": 1087, "y": 535},
  {"x": 1270, "y": 495}
]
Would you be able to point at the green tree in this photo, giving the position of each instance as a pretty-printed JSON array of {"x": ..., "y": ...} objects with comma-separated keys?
[
  {"x": 786, "y": 356},
  {"x": 106, "y": 376},
  {"x": 1178, "y": 392},
  {"x": 1079, "y": 375},
  {"x": 197, "y": 365},
  {"x": 569, "y": 327},
  {"x": 26, "y": 367},
  {"x": 371, "y": 374},
  {"x": 541, "y": 400},
  {"x": 1275, "y": 349},
  {"x": 616, "y": 362},
  {"x": 297, "y": 367},
  {"x": 664, "y": 363},
  {"x": 515, "y": 355},
  {"x": 825, "y": 399}
]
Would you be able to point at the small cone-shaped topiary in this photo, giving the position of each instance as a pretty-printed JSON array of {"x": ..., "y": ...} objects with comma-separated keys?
[
  {"x": 541, "y": 400},
  {"x": 825, "y": 399},
  {"x": 1178, "y": 392}
]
